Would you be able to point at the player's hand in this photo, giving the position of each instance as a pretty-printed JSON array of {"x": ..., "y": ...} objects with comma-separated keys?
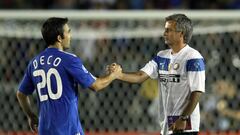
[
  {"x": 33, "y": 123},
  {"x": 178, "y": 126},
  {"x": 107, "y": 70},
  {"x": 111, "y": 68},
  {"x": 115, "y": 70}
]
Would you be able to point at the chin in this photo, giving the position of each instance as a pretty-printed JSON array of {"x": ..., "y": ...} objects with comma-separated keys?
[{"x": 167, "y": 43}]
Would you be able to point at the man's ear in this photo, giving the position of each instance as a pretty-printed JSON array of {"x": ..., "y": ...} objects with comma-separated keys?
[
  {"x": 59, "y": 38},
  {"x": 182, "y": 34}
]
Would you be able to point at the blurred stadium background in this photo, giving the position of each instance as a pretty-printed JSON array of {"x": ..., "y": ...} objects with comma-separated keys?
[{"x": 131, "y": 38}]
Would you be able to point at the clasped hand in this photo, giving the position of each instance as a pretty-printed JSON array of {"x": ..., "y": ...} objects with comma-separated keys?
[{"x": 114, "y": 69}]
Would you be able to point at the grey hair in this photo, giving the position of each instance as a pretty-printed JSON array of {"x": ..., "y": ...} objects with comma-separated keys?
[{"x": 183, "y": 24}]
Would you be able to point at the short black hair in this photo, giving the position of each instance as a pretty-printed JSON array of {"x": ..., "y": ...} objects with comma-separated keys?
[
  {"x": 51, "y": 28},
  {"x": 183, "y": 24}
]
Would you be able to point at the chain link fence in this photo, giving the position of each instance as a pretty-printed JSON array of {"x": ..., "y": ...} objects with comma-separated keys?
[{"x": 123, "y": 106}]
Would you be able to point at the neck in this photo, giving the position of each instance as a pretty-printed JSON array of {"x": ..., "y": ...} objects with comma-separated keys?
[
  {"x": 177, "y": 48},
  {"x": 56, "y": 45}
]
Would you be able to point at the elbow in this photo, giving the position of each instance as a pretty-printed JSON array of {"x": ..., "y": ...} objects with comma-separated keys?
[
  {"x": 141, "y": 80},
  {"x": 142, "y": 76},
  {"x": 95, "y": 87},
  {"x": 99, "y": 84},
  {"x": 20, "y": 95}
]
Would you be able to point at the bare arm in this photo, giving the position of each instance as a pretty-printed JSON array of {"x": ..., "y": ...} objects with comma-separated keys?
[
  {"x": 102, "y": 82},
  {"x": 227, "y": 111},
  {"x": 134, "y": 77},
  {"x": 25, "y": 105},
  {"x": 235, "y": 114},
  {"x": 193, "y": 101}
]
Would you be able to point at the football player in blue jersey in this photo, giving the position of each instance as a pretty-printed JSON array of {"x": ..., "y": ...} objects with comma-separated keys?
[{"x": 54, "y": 74}]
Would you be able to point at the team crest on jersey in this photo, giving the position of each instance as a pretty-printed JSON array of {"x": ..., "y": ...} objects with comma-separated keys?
[
  {"x": 84, "y": 69},
  {"x": 197, "y": 65},
  {"x": 176, "y": 66}
]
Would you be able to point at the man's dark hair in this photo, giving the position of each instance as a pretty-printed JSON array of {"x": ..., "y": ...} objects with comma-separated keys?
[
  {"x": 183, "y": 24},
  {"x": 51, "y": 28}
]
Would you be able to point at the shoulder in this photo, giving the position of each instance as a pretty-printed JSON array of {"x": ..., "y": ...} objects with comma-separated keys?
[
  {"x": 162, "y": 56},
  {"x": 34, "y": 59},
  {"x": 68, "y": 54},
  {"x": 163, "y": 53},
  {"x": 71, "y": 59},
  {"x": 193, "y": 53}
]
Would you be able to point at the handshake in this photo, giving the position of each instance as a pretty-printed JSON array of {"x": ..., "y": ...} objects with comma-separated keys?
[{"x": 114, "y": 70}]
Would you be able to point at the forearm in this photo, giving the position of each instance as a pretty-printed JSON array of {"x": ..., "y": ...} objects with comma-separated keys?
[
  {"x": 25, "y": 104},
  {"x": 102, "y": 82},
  {"x": 135, "y": 77},
  {"x": 235, "y": 114},
  {"x": 192, "y": 103}
]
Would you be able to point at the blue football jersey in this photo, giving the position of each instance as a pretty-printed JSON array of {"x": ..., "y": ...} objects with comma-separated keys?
[{"x": 54, "y": 74}]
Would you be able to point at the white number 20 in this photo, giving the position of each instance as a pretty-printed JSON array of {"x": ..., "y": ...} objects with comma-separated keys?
[{"x": 46, "y": 80}]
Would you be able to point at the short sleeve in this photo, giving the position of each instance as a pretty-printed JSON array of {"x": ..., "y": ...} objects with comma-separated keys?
[
  {"x": 196, "y": 74},
  {"x": 79, "y": 72},
  {"x": 26, "y": 86},
  {"x": 151, "y": 69}
]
